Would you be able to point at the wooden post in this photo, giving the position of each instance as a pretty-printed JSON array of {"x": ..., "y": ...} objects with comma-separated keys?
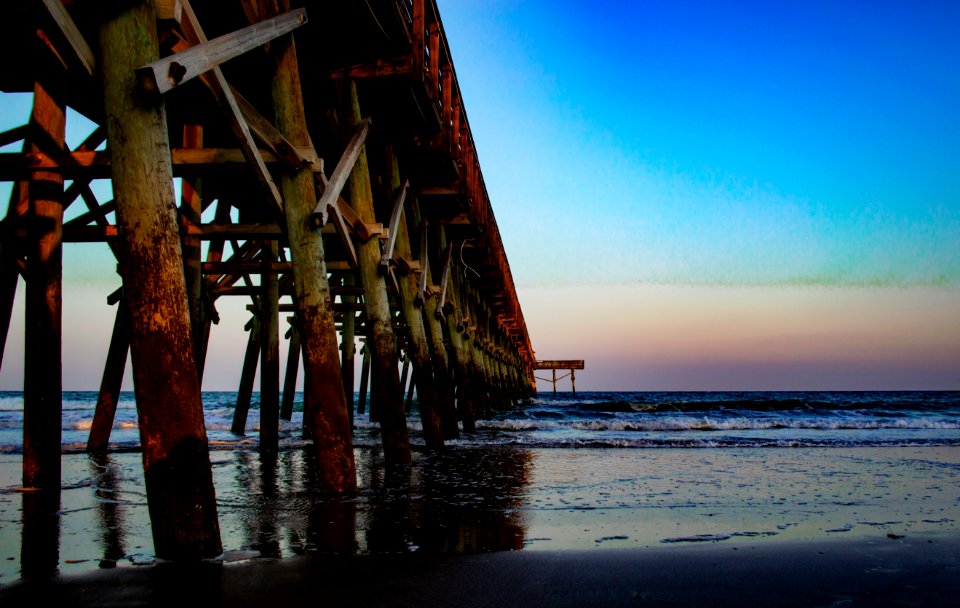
[
  {"x": 554, "y": 381},
  {"x": 466, "y": 392},
  {"x": 404, "y": 372},
  {"x": 348, "y": 348},
  {"x": 386, "y": 392},
  {"x": 42, "y": 393},
  {"x": 9, "y": 257},
  {"x": 290, "y": 377},
  {"x": 9, "y": 277},
  {"x": 409, "y": 404},
  {"x": 183, "y": 511},
  {"x": 364, "y": 378},
  {"x": 40, "y": 535},
  {"x": 190, "y": 210},
  {"x": 573, "y": 380},
  {"x": 481, "y": 383},
  {"x": 269, "y": 350},
  {"x": 442, "y": 368},
  {"x": 105, "y": 413},
  {"x": 324, "y": 401},
  {"x": 418, "y": 349},
  {"x": 247, "y": 376}
]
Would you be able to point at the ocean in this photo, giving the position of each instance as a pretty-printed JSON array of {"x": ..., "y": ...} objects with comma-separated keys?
[
  {"x": 585, "y": 472},
  {"x": 590, "y": 419}
]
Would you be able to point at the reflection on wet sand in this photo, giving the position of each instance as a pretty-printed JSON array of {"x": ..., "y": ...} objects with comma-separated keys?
[
  {"x": 107, "y": 494},
  {"x": 457, "y": 501},
  {"x": 460, "y": 500},
  {"x": 40, "y": 534}
]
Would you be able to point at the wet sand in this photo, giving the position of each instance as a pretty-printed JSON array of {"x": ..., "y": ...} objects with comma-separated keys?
[
  {"x": 884, "y": 572},
  {"x": 767, "y": 526}
]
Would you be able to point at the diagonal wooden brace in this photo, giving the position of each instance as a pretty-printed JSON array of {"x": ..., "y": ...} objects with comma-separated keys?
[
  {"x": 395, "y": 219},
  {"x": 444, "y": 281},
  {"x": 364, "y": 231},
  {"x": 224, "y": 94},
  {"x": 341, "y": 225},
  {"x": 334, "y": 186},
  {"x": 66, "y": 33},
  {"x": 422, "y": 285},
  {"x": 170, "y": 72}
]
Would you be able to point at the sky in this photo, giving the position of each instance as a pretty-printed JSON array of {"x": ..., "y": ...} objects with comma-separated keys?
[{"x": 693, "y": 195}]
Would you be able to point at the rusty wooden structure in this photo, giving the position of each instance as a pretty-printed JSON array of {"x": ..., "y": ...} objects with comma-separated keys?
[
  {"x": 328, "y": 173},
  {"x": 568, "y": 365}
]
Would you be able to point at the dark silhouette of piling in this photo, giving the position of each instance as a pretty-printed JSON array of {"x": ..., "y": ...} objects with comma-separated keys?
[{"x": 43, "y": 309}]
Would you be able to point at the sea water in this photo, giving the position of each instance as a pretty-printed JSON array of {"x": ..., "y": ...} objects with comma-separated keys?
[
  {"x": 571, "y": 472},
  {"x": 588, "y": 420}
]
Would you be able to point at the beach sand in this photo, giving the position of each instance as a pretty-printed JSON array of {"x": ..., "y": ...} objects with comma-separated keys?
[
  {"x": 914, "y": 572},
  {"x": 512, "y": 526}
]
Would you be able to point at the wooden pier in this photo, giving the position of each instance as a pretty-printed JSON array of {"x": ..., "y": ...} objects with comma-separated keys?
[
  {"x": 328, "y": 175},
  {"x": 569, "y": 365}
]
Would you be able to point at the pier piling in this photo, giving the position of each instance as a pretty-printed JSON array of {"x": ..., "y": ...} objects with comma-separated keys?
[
  {"x": 43, "y": 302},
  {"x": 176, "y": 463},
  {"x": 345, "y": 188}
]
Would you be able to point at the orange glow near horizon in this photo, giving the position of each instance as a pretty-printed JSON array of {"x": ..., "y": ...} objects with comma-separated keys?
[{"x": 742, "y": 338}]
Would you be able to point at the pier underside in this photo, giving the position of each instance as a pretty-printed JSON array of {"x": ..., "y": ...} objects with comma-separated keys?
[{"x": 327, "y": 175}]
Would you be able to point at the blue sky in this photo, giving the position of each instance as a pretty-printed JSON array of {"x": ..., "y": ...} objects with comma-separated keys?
[{"x": 718, "y": 143}]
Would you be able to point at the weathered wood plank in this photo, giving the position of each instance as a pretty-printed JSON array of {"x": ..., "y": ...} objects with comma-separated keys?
[
  {"x": 285, "y": 152},
  {"x": 334, "y": 185},
  {"x": 165, "y": 74},
  {"x": 419, "y": 34},
  {"x": 395, "y": 218},
  {"x": 381, "y": 68},
  {"x": 204, "y": 232},
  {"x": 95, "y": 164},
  {"x": 168, "y": 9},
  {"x": 560, "y": 364},
  {"x": 69, "y": 36}
]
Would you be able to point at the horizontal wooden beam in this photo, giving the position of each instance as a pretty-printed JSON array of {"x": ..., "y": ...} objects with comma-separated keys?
[
  {"x": 560, "y": 364},
  {"x": 204, "y": 232},
  {"x": 255, "y": 267},
  {"x": 16, "y": 166},
  {"x": 285, "y": 290},
  {"x": 167, "y": 73},
  {"x": 381, "y": 68}
]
